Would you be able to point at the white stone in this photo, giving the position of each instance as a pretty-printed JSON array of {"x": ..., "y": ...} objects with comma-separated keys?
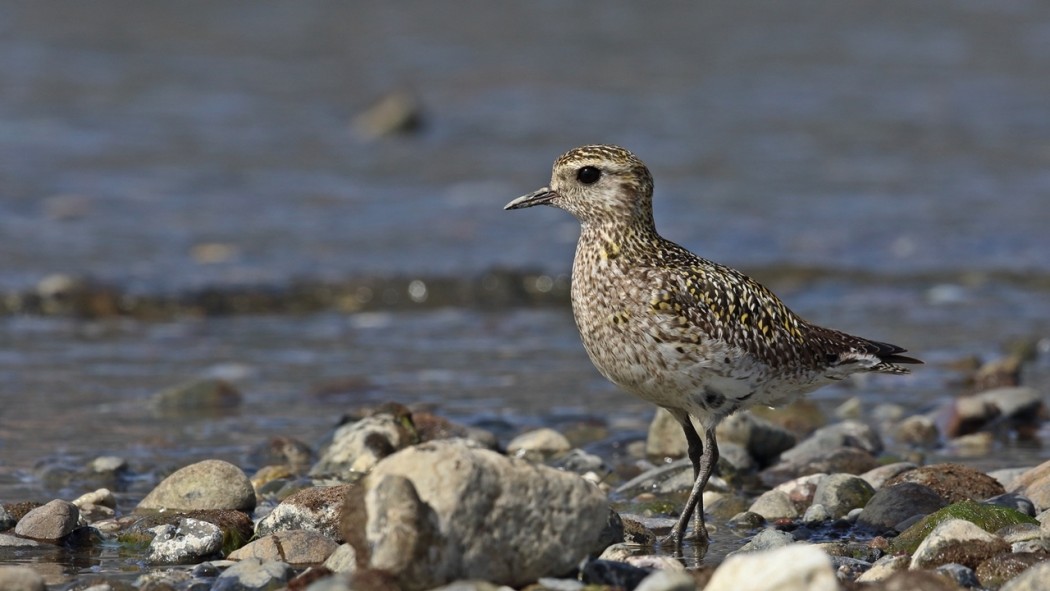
[{"x": 798, "y": 567}]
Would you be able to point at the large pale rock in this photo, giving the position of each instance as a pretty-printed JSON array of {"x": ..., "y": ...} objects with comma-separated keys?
[
  {"x": 444, "y": 510},
  {"x": 211, "y": 484},
  {"x": 539, "y": 444},
  {"x": 798, "y": 567},
  {"x": 1034, "y": 578},
  {"x": 957, "y": 541}
]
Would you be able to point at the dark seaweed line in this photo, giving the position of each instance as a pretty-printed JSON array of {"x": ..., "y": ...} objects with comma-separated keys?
[{"x": 493, "y": 289}]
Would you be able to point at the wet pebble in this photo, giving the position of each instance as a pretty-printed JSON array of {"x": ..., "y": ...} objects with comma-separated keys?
[
  {"x": 961, "y": 575},
  {"x": 208, "y": 485},
  {"x": 612, "y": 573},
  {"x": 317, "y": 509},
  {"x": 766, "y": 539},
  {"x": 841, "y": 493},
  {"x": 1014, "y": 501},
  {"x": 50, "y": 522},
  {"x": 796, "y": 567},
  {"x": 297, "y": 547},
  {"x": 20, "y": 578},
  {"x": 7, "y": 521},
  {"x": 253, "y": 574},
  {"x": 190, "y": 541},
  {"x": 774, "y": 504},
  {"x": 420, "y": 503}
]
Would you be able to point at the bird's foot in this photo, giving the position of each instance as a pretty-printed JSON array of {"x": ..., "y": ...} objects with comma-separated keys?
[{"x": 698, "y": 538}]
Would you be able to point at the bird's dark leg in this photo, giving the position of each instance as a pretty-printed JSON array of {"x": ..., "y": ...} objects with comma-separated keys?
[{"x": 703, "y": 456}]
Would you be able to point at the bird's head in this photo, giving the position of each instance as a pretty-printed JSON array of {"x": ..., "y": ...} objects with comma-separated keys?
[{"x": 597, "y": 184}]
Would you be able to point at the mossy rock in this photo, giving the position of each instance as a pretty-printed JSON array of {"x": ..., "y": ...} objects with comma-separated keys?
[{"x": 990, "y": 518}]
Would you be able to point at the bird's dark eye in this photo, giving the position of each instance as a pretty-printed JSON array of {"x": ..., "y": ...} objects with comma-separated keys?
[{"x": 588, "y": 175}]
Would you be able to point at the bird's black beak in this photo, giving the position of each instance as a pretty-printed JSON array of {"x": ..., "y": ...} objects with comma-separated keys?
[{"x": 540, "y": 197}]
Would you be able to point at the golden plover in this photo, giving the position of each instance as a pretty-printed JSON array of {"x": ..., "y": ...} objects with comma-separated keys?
[{"x": 689, "y": 335}]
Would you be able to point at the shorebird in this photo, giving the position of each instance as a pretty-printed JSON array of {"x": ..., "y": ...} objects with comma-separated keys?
[{"x": 692, "y": 336}]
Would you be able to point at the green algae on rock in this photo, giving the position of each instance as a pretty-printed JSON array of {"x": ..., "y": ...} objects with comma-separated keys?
[{"x": 990, "y": 518}]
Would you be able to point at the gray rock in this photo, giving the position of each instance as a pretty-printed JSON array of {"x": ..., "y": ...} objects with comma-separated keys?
[
  {"x": 1014, "y": 501},
  {"x": 50, "y": 522},
  {"x": 211, "y": 484},
  {"x": 667, "y": 580},
  {"x": 21, "y": 578},
  {"x": 342, "y": 560},
  {"x": 1033, "y": 578},
  {"x": 840, "y": 493},
  {"x": 774, "y": 504},
  {"x": 849, "y": 568},
  {"x": 746, "y": 521},
  {"x": 191, "y": 541},
  {"x": 357, "y": 447},
  {"x": 767, "y": 539},
  {"x": 845, "y": 434},
  {"x": 317, "y": 509},
  {"x": 893, "y": 504},
  {"x": 958, "y": 541},
  {"x": 538, "y": 445},
  {"x": 442, "y": 511},
  {"x": 669, "y": 478},
  {"x": 296, "y": 547},
  {"x": 962, "y": 575},
  {"x": 797, "y": 567},
  {"x": 253, "y": 574}
]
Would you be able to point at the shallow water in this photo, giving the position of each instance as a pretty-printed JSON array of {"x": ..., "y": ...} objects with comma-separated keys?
[{"x": 881, "y": 165}]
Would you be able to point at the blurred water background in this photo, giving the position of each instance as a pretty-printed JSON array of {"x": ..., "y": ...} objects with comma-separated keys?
[{"x": 883, "y": 165}]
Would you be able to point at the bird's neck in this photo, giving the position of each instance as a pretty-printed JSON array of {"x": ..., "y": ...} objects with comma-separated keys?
[{"x": 619, "y": 239}]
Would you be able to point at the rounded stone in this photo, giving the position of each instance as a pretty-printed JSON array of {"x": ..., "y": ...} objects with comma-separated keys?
[
  {"x": 1035, "y": 485},
  {"x": 211, "y": 484},
  {"x": 1033, "y": 578},
  {"x": 774, "y": 504},
  {"x": 841, "y": 493},
  {"x": 893, "y": 504},
  {"x": 50, "y": 522}
]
